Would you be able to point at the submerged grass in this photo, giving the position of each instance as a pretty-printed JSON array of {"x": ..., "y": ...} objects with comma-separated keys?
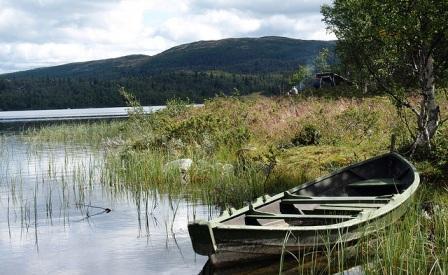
[
  {"x": 93, "y": 133},
  {"x": 207, "y": 180}
]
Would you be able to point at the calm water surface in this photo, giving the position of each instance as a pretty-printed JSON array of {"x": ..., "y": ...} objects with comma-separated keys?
[
  {"x": 53, "y": 217},
  {"x": 70, "y": 114}
]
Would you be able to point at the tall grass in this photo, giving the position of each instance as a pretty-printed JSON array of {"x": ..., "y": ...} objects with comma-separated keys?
[
  {"x": 272, "y": 144},
  {"x": 207, "y": 180},
  {"x": 416, "y": 244},
  {"x": 92, "y": 133}
]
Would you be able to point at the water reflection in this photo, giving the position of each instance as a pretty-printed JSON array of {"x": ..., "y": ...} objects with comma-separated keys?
[
  {"x": 55, "y": 218},
  {"x": 312, "y": 263}
]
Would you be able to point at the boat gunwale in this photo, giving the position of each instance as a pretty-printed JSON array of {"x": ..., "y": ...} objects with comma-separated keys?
[{"x": 394, "y": 202}]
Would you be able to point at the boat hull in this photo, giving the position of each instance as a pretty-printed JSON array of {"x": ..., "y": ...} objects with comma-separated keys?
[{"x": 226, "y": 243}]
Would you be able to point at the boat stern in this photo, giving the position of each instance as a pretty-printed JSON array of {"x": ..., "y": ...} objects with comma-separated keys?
[{"x": 202, "y": 239}]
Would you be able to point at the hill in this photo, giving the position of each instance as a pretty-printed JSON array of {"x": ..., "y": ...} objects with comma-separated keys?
[
  {"x": 240, "y": 55},
  {"x": 105, "y": 68},
  {"x": 196, "y": 71}
]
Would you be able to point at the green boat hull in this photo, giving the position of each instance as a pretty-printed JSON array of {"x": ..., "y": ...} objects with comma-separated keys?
[{"x": 342, "y": 207}]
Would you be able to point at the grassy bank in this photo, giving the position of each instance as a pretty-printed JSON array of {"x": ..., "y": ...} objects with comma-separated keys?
[
  {"x": 239, "y": 145},
  {"x": 243, "y": 147},
  {"x": 250, "y": 145}
]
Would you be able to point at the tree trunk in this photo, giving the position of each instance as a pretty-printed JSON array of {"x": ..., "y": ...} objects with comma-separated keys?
[
  {"x": 429, "y": 117},
  {"x": 365, "y": 87}
]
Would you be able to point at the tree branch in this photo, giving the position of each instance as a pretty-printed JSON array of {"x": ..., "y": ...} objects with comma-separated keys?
[
  {"x": 437, "y": 40},
  {"x": 402, "y": 102},
  {"x": 443, "y": 121},
  {"x": 405, "y": 118}
]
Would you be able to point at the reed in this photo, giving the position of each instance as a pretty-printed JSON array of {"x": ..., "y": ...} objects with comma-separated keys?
[
  {"x": 416, "y": 244},
  {"x": 92, "y": 133}
]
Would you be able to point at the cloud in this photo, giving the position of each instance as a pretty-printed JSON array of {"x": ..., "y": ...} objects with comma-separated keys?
[
  {"x": 210, "y": 25},
  {"x": 264, "y": 7},
  {"x": 36, "y": 33}
]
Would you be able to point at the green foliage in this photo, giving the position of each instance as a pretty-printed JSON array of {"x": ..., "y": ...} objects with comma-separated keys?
[
  {"x": 180, "y": 129},
  {"x": 302, "y": 74},
  {"x": 380, "y": 36},
  {"x": 361, "y": 122},
  {"x": 402, "y": 46},
  {"x": 441, "y": 148},
  {"x": 321, "y": 61},
  {"x": 176, "y": 107},
  {"x": 309, "y": 135},
  {"x": 210, "y": 129},
  {"x": 434, "y": 166},
  {"x": 248, "y": 134},
  {"x": 136, "y": 112},
  {"x": 155, "y": 89},
  {"x": 388, "y": 42},
  {"x": 130, "y": 100}
]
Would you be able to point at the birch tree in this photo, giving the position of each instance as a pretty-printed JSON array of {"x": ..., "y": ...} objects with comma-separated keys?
[{"x": 403, "y": 45}]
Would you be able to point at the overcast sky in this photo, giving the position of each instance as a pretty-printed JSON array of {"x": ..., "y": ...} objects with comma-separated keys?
[{"x": 35, "y": 33}]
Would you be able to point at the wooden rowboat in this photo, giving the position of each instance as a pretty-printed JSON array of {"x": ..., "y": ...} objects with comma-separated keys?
[{"x": 341, "y": 207}]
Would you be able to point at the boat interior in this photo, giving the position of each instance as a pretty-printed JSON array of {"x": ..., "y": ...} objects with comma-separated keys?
[{"x": 334, "y": 199}]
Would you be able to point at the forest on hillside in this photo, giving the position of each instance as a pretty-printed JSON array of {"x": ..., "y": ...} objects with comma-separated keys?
[{"x": 67, "y": 92}]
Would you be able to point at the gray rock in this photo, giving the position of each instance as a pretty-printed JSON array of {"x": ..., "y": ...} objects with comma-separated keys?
[
  {"x": 183, "y": 165},
  {"x": 227, "y": 169}
]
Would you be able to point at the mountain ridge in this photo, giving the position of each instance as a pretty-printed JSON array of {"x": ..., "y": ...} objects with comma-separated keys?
[
  {"x": 193, "y": 71},
  {"x": 275, "y": 47}
]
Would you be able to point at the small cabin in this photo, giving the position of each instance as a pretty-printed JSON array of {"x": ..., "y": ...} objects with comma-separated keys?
[{"x": 329, "y": 80}]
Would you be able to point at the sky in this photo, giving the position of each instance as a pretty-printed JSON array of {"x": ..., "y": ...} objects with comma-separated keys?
[{"x": 37, "y": 33}]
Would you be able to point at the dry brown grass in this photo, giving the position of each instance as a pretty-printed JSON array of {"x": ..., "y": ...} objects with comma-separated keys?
[{"x": 279, "y": 119}]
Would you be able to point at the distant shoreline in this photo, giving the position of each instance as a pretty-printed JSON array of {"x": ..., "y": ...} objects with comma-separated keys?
[{"x": 70, "y": 114}]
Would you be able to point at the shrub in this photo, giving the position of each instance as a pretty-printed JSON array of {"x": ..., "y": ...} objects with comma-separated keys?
[
  {"x": 359, "y": 121},
  {"x": 309, "y": 135}
]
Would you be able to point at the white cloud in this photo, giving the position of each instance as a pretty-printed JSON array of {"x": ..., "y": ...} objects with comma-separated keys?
[
  {"x": 47, "y": 32},
  {"x": 264, "y": 7},
  {"x": 211, "y": 25}
]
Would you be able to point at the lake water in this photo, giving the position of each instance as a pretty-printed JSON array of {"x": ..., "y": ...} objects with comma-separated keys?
[
  {"x": 55, "y": 219},
  {"x": 73, "y": 114},
  {"x": 70, "y": 114}
]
